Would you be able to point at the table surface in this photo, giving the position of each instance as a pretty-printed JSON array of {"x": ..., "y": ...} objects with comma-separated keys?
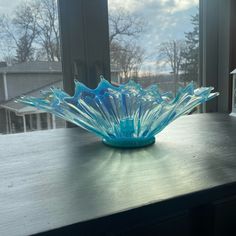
[{"x": 51, "y": 179}]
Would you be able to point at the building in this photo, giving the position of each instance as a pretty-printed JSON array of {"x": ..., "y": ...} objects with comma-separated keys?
[{"x": 29, "y": 79}]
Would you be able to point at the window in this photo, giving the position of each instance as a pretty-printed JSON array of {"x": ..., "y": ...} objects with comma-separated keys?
[
  {"x": 30, "y": 61},
  {"x": 154, "y": 41},
  {"x": 83, "y": 21}
]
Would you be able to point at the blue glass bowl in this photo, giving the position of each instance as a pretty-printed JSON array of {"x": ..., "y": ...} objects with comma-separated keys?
[{"x": 127, "y": 116}]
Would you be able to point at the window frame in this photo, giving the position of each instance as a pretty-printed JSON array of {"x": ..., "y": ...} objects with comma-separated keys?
[
  {"x": 85, "y": 50},
  {"x": 215, "y": 45},
  {"x": 217, "y": 50}
]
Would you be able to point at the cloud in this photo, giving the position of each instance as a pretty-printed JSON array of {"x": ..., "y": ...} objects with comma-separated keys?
[
  {"x": 6, "y": 7},
  {"x": 130, "y": 5},
  {"x": 169, "y": 6},
  {"x": 179, "y": 5}
]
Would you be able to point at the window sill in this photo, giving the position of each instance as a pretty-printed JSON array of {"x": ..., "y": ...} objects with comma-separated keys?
[{"x": 63, "y": 178}]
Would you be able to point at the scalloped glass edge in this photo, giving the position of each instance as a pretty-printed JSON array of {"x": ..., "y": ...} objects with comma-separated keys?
[{"x": 126, "y": 116}]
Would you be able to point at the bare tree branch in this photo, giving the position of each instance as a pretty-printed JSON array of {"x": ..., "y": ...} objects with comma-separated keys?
[
  {"x": 123, "y": 23},
  {"x": 49, "y": 30},
  {"x": 173, "y": 53},
  {"x": 128, "y": 57},
  {"x": 34, "y": 30}
]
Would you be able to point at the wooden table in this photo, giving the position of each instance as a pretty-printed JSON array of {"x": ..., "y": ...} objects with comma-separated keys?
[{"x": 66, "y": 182}]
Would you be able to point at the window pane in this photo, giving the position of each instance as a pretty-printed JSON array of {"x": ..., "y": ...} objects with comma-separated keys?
[
  {"x": 30, "y": 61},
  {"x": 154, "y": 42}
]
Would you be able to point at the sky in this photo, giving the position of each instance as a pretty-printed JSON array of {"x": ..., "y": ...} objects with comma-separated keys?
[
  {"x": 6, "y": 6},
  {"x": 164, "y": 20}
]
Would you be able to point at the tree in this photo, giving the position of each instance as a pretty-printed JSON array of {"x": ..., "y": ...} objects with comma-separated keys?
[
  {"x": 47, "y": 24},
  {"x": 34, "y": 33},
  {"x": 125, "y": 54},
  {"x": 124, "y": 25},
  {"x": 24, "y": 51},
  {"x": 33, "y": 30},
  {"x": 190, "y": 67},
  {"x": 128, "y": 57},
  {"x": 26, "y": 30},
  {"x": 21, "y": 30},
  {"x": 172, "y": 53}
]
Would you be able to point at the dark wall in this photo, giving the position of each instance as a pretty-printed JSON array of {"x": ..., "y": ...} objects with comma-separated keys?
[
  {"x": 3, "y": 121},
  {"x": 85, "y": 42},
  {"x": 232, "y": 58},
  {"x": 217, "y": 50},
  {"x": 2, "y": 95}
]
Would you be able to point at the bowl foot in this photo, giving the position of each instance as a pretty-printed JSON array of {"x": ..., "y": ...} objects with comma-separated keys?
[{"x": 129, "y": 143}]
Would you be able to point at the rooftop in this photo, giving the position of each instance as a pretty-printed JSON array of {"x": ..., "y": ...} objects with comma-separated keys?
[
  {"x": 33, "y": 67},
  {"x": 21, "y": 108},
  {"x": 39, "y": 67}
]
